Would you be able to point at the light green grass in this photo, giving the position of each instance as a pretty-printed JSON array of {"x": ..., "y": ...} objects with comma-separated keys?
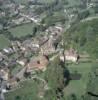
[
  {"x": 78, "y": 87},
  {"x": 22, "y": 30},
  {"x": 4, "y": 42}
]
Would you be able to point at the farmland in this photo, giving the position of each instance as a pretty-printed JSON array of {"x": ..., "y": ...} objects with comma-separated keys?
[{"x": 22, "y": 30}]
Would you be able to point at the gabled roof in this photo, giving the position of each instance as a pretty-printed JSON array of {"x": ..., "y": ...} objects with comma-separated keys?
[{"x": 71, "y": 52}]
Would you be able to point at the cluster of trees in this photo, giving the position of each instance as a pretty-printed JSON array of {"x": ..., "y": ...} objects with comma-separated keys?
[
  {"x": 57, "y": 76},
  {"x": 53, "y": 19},
  {"x": 84, "y": 36},
  {"x": 44, "y": 6},
  {"x": 83, "y": 14},
  {"x": 50, "y": 8},
  {"x": 4, "y": 21}
]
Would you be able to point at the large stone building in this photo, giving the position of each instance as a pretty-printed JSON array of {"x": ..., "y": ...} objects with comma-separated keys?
[{"x": 70, "y": 55}]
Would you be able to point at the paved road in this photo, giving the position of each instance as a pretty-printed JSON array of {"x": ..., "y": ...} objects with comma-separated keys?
[
  {"x": 90, "y": 18},
  {"x": 2, "y": 87},
  {"x": 2, "y": 96},
  {"x": 52, "y": 58},
  {"x": 30, "y": 18}
]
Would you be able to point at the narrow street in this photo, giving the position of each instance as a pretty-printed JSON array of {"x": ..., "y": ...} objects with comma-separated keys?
[
  {"x": 90, "y": 18},
  {"x": 21, "y": 73},
  {"x": 30, "y": 18}
]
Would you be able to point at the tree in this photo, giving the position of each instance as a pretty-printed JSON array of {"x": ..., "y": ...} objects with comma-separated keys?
[
  {"x": 83, "y": 36},
  {"x": 34, "y": 30},
  {"x": 92, "y": 88},
  {"x": 83, "y": 14},
  {"x": 17, "y": 98},
  {"x": 54, "y": 76},
  {"x": 72, "y": 97}
]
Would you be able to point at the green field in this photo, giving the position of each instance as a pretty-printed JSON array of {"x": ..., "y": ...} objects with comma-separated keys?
[
  {"x": 25, "y": 1},
  {"x": 21, "y": 1},
  {"x": 28, "y": 91},
  {"x": 4, "y": 42},
  {"x": 78, "y": 87},
  {"x": 22, "y": 30},
  {"x": 74, "y": 2},
  {"x": 46, "y": 1}
]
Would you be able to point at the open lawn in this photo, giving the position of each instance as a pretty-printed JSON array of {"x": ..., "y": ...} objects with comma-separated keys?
[
  {"x": 78, "y": 86},
  {"x": 4, "y": 42},
  {"x": 22, "y": 30},
  {"x": 28, "y": 91}
]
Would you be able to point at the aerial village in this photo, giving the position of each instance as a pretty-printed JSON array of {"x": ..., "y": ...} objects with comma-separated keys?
[{"x": 31, "y": 54}]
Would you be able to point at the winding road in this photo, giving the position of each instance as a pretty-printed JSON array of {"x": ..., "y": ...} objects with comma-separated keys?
[{"x": 90, "y": 18}]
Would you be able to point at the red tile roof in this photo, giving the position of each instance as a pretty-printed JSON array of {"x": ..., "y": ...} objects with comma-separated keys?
[{"x": 37, "y": 63}]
